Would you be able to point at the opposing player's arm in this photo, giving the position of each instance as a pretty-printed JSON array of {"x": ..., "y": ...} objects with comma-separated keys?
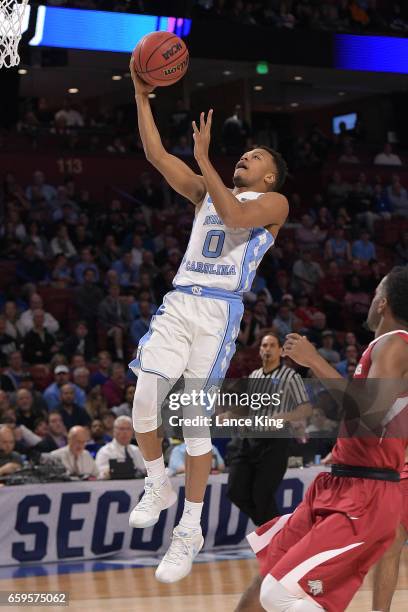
[
  {"x": 302, "y": 351},
  {"x": 179, "y": 176}
]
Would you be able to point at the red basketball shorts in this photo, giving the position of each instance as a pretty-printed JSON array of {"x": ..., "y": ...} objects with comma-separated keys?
[{"x": 326, "y": 547}]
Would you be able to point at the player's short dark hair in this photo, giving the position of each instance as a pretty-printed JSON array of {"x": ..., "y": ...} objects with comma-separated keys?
[
  {"x": 281, "y": 167},
  {"x": 396, "y": 292}
]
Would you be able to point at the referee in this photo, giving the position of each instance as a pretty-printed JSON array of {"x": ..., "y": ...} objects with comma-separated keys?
[{"x": 258, "y": 465}]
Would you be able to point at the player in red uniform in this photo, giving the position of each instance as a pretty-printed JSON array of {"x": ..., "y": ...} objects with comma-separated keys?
[{"x": 316, "y": 558}]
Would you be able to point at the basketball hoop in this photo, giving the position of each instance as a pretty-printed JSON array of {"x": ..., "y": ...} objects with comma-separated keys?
[{"x": 12, "y": 15}]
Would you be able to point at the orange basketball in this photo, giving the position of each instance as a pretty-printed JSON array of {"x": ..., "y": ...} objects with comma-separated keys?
[{"x": 161, "y": 58}]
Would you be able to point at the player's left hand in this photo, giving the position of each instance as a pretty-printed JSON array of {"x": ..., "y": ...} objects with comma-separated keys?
[{"x": 202, "y": 136}]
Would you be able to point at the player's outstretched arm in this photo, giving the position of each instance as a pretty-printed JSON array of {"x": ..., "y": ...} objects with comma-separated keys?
[
  {"x": 269, "y": 210},
  {"x": 179, "y": 176}
]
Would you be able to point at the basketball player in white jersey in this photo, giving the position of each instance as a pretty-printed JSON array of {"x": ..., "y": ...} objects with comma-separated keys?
[{"x": 193, "y": 333}]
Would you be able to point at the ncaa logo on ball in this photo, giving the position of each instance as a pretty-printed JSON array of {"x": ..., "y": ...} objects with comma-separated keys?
[{"x": 170, "y": 52}]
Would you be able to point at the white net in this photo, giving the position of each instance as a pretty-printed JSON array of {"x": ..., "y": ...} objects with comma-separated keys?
[{"x": 12, "y": 15}]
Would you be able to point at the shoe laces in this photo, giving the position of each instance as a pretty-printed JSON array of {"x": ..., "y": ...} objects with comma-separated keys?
[
  {"x": 180, "y": 547},
  {"x": 150, "y": 498}
]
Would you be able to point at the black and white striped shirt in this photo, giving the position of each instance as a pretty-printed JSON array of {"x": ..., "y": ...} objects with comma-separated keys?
[{"x": 283, "y": 381}]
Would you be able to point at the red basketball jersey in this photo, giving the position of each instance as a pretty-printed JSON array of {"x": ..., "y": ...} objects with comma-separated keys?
[{"x": 385, "y": 452}]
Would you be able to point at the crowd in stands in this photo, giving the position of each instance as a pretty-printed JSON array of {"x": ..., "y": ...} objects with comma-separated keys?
[
  {"x": 335, "y": 15},
  {"x": 84, "y": 278}
]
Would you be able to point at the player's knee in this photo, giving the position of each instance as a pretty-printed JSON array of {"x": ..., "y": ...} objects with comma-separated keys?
[
  {"x": 198, "y": 446},
  {"x": 274, "y": 597},
  {"x": 144, "y": 413}
]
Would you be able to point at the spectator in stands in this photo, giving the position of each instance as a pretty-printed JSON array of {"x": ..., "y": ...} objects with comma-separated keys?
[
  {"x": 338, "y": 248},
  {"x": 326, "y": 350},
  {"x": 41, "y": 427},
  {"x": 351, "y": 356},
  {"x": 378, "y": 208},
  {"x": 87, "y": 299},
  {"x": 314, "y": 334},
  {"x": 98, "y": 437},
  {"x": 52, "y": 393},
  {"x": 177, "y": 461},
  {"x": 96, "y": 404},
  {"x": 79, "y": 343},
  {"x": 309, "y": 235},
  {"x": 320, "y": 423},
  {"x": 182, "y": 148},
  {"x": 114, "y": 388},
  {"x": 11, "y": 314},
  {"x": 40, "y": 187},
  {"x": 103, "y": 372},
  {"x": 77, "y": 460},
  {"x": 114, "y": 316},
  {"x": 87, "y": 262},
  {"x": 338, "y": 189},
  {"x": 305, "y": 310},
  {"x": 108, "y": 420},
  {"x": 357, "y": 300},
  {"x": 398, "y": 197},
  {"x": 235, "y": 132},
  {"x": 56, "y": 436},
  {"x": 61, "y": 272},
  {"x": 25, "y": 322},
  {"x": 26, "y": 412},
  {"x": 62, "y": 243},
  {"x": 125, "y": 409},
  {"x": 72, "y": 414},
  {"x": 349, "y": 157},
  {"x": 39, "y": 344},
  {"x": 39, "y": 240},
  {"x": 30, "y": 268},
  {"x": 363, "y": 249},
  {"x": 12, "y": 376},
  {"x": 10, "y": 461},
  {"x": 141, "y": 325},
  {"x": 285, "y": 322},
  {"x": 80, "y": 377},
  {"x": 387, "y": 157},
  {"x": 331, "y": 290},
  {"x": 27, "y": 382},
  {"x": 401, "y": 250},
  {"x": 249, "y": 328},
  {"x": 120, "y": 448},
  {"x": 69, "y": 115},
  {"x": 7, "y": 343},
  {"x": 306, "y": 273},
  {"x": 127, "y": 273},
  {"x": 4, "y": 403}
]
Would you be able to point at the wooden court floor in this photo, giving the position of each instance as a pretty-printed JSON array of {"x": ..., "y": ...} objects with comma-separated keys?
[{"x": 212, "y": 587}]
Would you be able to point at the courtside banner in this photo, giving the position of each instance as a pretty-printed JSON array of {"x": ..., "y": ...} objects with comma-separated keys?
[{"x": 89, "y": 520}]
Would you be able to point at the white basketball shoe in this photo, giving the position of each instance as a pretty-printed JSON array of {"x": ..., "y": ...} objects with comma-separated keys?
[
  {"x": 177, "y": 562},
  {"x": 155, "y": 499}
]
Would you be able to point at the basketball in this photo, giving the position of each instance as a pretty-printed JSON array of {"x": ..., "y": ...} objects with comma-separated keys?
[{"x": 161, "y": 59}]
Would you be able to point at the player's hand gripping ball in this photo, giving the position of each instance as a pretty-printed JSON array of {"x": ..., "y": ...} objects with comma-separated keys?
[{"x": 160, "y": 59}]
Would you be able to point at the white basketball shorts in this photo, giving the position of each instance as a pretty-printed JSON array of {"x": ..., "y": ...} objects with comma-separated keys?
[{"x": 193, "y": 334}]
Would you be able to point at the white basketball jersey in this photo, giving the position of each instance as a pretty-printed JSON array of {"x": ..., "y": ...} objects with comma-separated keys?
[{"x": 222, "y": 257}]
